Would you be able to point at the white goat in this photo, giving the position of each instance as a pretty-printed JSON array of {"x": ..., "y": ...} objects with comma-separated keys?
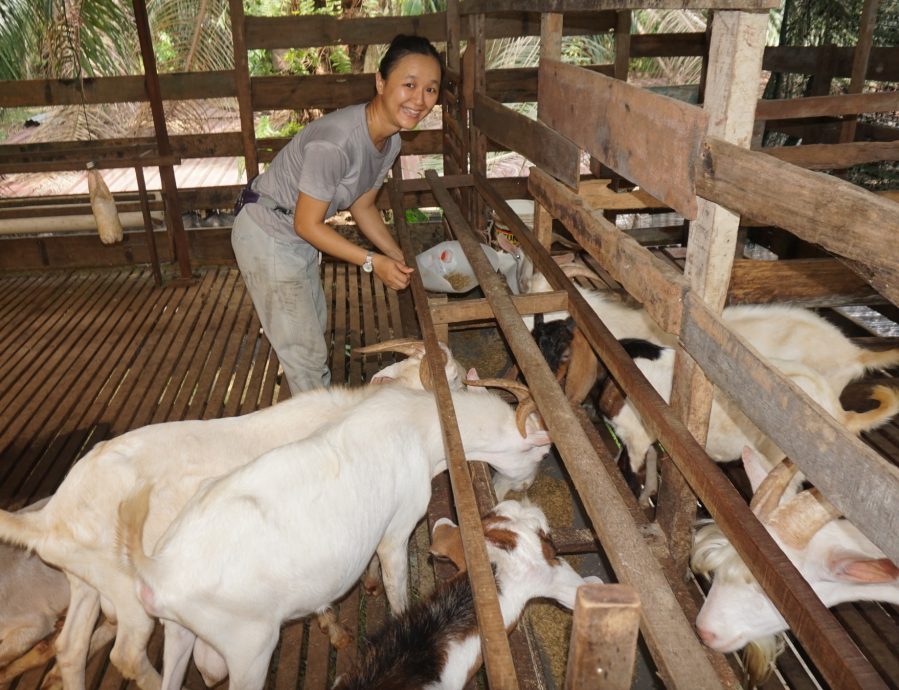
[
  {"x": 33, "y": 596},
  {"x": 834, "y": 557},
  {"x": 289, "y": 533},
  {"x": 74, "y": 531},
  {"x": 777, "y": 331},
  {"x": 436, "y": 643},
  {"x": 729, "y": 428}
]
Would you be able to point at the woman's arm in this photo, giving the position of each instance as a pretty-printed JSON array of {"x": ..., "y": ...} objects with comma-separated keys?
[
  {"x": 371, "y": 224},
  {"x": 309, "y": 224}
]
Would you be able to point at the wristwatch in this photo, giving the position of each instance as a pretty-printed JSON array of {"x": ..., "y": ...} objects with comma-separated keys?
[{"x": 367, "y": 265}]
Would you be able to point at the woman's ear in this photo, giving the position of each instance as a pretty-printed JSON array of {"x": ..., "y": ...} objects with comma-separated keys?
[{"x": 379, "y": 83}]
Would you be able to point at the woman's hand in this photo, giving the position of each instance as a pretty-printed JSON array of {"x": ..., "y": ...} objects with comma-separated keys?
[{"x": 394, "y": 274}]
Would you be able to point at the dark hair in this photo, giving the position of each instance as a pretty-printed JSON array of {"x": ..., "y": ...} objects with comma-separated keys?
[{"x": 403, "y": 45}]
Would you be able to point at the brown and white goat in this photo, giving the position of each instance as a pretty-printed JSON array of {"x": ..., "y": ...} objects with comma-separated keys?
[
  {"x": 435, "y": 645},
  {"x": 836, "y": 559}
]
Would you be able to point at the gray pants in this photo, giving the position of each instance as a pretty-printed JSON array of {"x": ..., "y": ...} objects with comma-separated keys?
[{"x": 284, "y": 281}]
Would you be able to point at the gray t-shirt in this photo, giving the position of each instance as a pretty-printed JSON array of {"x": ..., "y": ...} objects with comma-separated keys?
[{"x": 332, "y": 159}]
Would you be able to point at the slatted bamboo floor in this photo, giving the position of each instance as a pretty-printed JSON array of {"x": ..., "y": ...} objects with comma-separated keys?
[{"x": 88, "y": 355}]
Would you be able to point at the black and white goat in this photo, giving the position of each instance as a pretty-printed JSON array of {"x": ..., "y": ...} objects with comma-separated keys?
[{"x": 436, "y": 644}]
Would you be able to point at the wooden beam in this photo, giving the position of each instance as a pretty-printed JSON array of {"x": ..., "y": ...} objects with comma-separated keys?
[
  {"x": 834, "y": 156},
  {"x": 855, "y": 478},
  {"x": 321, "y": 30},
  {"x": 166, "y": 172},
  {"x": 818, "y": 208},
  {"x": 555, "y": 154},
  {"x": 883, "y": 64},
  {"x": 827, "y": 106},
  {"x": 243, "y": 87},
  {"x": 649, "y": 139},
  {"x": 486, "y": 6},
  {"x": 494, "y": 642},
  {"x": 681, "y": 661},
  {"x": 651, "y": 281},
  {"x": 860, "y": 57},
  {"x": 461, "y": 311},
  {"x": 805, "y": 282}
]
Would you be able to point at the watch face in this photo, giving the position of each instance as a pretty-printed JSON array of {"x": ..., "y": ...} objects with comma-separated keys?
[{"x": 367, "y": 266}]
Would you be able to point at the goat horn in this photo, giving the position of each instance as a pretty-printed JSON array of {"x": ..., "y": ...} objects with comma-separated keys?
[
  {"x": 424, "y": 371},
  {"x": 520, "y": 391},
  {"x": 407, "y": 346},
  {"x": 771, "y": 490},
  {"x": 526, "y": 403},
  {"x": 800, "y": 518}
]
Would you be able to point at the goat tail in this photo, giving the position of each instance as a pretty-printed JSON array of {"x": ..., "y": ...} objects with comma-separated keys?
[
  {"x": 878, "y": 359},
  {"x": 888, "y": 399},
  {"x": 133, "y": 513},
  {"x": 22, "y": 528}
]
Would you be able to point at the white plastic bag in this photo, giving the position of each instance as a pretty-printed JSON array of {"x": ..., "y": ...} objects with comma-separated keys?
[
  {"x": 109, "y": 226},
  {"x": 444, "y": 268}
]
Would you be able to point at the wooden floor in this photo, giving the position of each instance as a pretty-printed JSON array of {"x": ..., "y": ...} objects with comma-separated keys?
[{"x": 89, "y": 355}]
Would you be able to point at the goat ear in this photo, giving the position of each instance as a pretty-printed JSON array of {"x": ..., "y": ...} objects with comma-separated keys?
[
  {"x": 537, "y": 436},
  {"x": 849, "y": 567},
  {"x": 755, "y": 467},
  {"x": 565, "y": 258},
  {"x": 382, "y": 379},
  {"x": 505, "y": 244},
  {"x": 446, "y": 542}
]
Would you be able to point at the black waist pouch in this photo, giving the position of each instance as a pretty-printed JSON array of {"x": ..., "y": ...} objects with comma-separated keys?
[{"x": 246, "y": 196}]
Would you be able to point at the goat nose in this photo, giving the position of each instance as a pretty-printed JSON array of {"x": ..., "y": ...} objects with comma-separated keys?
[{"x": 707, "y": 636}]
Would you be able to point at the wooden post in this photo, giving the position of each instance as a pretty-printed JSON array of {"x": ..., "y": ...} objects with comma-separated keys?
[
  {"x": 166, "y": 172},
  {"x": 242, "y": 83},
  {"x": 860, "y": 58},
  {"x": 603, "y": 638},
  {"x": 623, "y": 45},
  {"x": 453, "y": 109},
  {"x": 735, "y": 63},
  {"x": 148, "y": 225},
  {"x": 551, "y": 36},
  {"x": 478, "y": 153}
]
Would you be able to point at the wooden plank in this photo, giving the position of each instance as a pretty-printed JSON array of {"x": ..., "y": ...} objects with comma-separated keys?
[
  {"x": 654, "y": 284},
  {"x": 325, "y": 91},
  {"x": 830, "y": 156},
  {"x": 551, "y": 35},
  {"x": 36, "y": 93},
  {"x": 354, "y": 332},
  {"x": 806, "y": 282},
  {"x": 841, "y": 217},
  {"x": 535, "y": 141},
  {"x": 597, "y": 194},
  {"x": 494, "y": 643},
  {"x": 857, "y": 480},
  {"x": 297, "y": 31},
  {"x": 486, "y": 6},
  {"x": 883, "y": 64},
  {"x": 681, "y": 659},
  {"x": 827, "y": 106},
  {"x": 652, "y": 140},
  {"x": 479, "y": 309}
]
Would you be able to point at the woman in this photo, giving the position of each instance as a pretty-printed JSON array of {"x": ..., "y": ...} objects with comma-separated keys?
[{"x": 337, "y": 162}]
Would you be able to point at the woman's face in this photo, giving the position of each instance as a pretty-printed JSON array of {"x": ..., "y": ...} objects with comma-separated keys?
[{"x": 410, "y": 90}]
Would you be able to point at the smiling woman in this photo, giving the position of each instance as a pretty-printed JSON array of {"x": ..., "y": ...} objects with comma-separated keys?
[{"x": 336, "y": 163}]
